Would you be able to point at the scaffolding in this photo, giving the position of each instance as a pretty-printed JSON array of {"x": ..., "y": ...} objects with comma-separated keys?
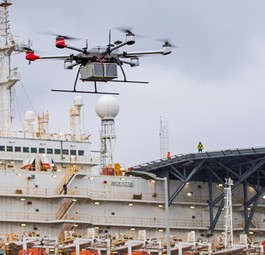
[{"x": 228, "y": 238}]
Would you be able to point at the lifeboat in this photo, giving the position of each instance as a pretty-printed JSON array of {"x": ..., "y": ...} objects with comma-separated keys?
[
  {"x": 33, "y": 251},
  {"x": 86, "y": 252}
]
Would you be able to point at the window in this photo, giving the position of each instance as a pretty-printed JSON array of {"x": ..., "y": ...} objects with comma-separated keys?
[
  {"x": 57, "y": 151},
  {"x": 9, "y": 148},
  {"x": 17, "y": 149},
  {"x": 73, "y": 152},
  {"x": 2, "y": 148},
  {"x": 25, "y": 149},
  {"x": 81, "y": 153},
  {"x": 65, "y": 152},
  {"x": 49, "y": 151},
  {"x": 41, "y": 150},
  {"x": 33, "y": 150}
]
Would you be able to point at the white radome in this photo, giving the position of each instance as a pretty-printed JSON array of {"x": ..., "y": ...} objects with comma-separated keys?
[
  {"x": 30, "y": 116},
  {"x": 78, "y": 101},
  {"x": 107, "y": 107}
]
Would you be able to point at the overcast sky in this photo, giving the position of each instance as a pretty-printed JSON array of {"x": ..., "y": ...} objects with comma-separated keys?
[{"x": 210, "y": 89}]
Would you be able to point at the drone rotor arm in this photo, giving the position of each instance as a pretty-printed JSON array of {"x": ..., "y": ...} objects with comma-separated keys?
[
  {"x": 74, "y": 48},
  {"x": 133, "y": 62},
  {"x": 140, "y": 53},
  {"x": 111, "y": 49},
  {"x": 55, "y": 57}
]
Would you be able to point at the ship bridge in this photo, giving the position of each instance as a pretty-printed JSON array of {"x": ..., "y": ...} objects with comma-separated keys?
[{"x": 246, "y": 167}]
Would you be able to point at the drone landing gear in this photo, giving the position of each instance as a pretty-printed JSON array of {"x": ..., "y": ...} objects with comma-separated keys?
[
  {"x": 87, "y": 92},
  {"x": 95, "y": 85},
  {"x": 96, "y": 90},
  {"x": 82, "y": 91}
]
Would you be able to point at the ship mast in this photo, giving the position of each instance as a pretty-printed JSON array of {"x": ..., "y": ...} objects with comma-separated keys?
[{"x": 8, "y": 77}]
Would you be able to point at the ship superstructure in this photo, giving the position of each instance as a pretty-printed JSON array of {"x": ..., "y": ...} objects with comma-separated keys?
[{"x": 52, "y": 199}]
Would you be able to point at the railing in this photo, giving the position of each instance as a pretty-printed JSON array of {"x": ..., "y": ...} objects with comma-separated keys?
[
  {"x": 48, "y": 136},
  {"x": 64, "y": 208},
  {"x": 191, "y": 156},
  {"x": 120, "y": 221},
  {"x": 105, "y": 195},
  {"x": 27, "y": 216},
  {"x": 5, "y": 155}
]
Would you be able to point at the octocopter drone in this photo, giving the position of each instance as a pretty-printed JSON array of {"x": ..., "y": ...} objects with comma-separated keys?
[{"x": 99, "y": 64}]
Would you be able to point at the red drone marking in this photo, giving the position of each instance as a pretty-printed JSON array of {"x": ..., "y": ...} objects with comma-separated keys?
[
  {"x": 60, "y": 42},
  {"x": 31, "y": 56}
]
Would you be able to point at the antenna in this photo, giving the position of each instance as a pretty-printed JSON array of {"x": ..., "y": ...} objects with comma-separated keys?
[
  {"x": 8, "y": 76},
  {"x": 109, "y": 37},
  {"x": 164, "y": 139},
  {"x": 109, "y": 45}
]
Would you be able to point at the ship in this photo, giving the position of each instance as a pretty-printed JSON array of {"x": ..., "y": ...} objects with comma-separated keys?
[{"x": 59, "y": 196}]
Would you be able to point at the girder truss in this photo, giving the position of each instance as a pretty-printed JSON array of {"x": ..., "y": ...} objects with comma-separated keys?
[{"x": 245, "y": 167}]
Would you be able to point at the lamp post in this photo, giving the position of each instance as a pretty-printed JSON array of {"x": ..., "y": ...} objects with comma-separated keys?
[{"x": 167, "y": 215}]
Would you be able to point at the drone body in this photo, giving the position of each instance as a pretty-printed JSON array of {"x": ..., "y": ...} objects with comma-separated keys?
[{"x": 99, "y": 64}]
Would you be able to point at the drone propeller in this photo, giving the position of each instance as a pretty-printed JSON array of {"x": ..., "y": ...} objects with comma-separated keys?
[
  {"x": 167, "y": 42},
  {"x": 24, "y": 48},
  {"x": 63, "y": 36},
  {"x": 127, "y": 30},
  {"x": 29, "y": 49},
  {"x": 130, "y": 35}
]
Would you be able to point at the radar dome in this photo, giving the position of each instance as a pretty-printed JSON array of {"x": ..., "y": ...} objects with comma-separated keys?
[
  {"x": 107, "y": 107},
  {"x": 30, "y": 116},
  {"x": 78, "y": 101}
]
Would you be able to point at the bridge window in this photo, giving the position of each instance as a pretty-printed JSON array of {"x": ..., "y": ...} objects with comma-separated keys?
[
  {"x": 33, "y": 150},
  {"x": 2, "y": 148},
  {"x": 57, "y": 151},
  {"x": 26, "y": 149},
  {"x": 73, "y": 152},
  {"x": 49, "y": 151},
  {"x": 9, "y": 148},
  {"x": 81, "y": 153},
  {"x": 65, "y": 152},
  {"x": 41, "y": 150},
  {"x": 17, "y": 149}
]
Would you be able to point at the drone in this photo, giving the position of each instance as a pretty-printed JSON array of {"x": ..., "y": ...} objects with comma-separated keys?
[{"x": 99, "y": 64}]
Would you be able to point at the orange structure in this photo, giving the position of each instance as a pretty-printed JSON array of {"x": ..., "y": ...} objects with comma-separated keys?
[{"x": 33, "y": 251}]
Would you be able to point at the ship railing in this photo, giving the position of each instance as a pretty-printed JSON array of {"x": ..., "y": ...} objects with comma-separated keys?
[
  {"x": 153, "y": 221},
  {"x": 150, "y": 221},
  {"x": 45, "y": 136},
  {"x": 92, "y": 159},
  {"x": 89, "y": 192}
]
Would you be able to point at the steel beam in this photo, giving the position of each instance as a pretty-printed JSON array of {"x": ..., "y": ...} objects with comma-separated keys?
[{"x": 194, "y": 171}]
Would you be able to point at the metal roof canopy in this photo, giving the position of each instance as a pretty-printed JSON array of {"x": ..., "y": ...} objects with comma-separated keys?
[{"x": 243, "y": 166}]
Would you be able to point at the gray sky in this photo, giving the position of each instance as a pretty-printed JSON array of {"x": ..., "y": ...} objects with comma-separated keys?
[{"x": 210, "y": 89}]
